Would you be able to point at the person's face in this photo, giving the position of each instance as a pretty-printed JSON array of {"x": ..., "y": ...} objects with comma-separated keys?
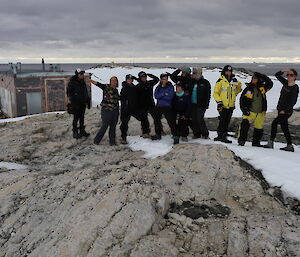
[
  {"x": 228, "y": 73},
  {"x": 129, "y": 81},
  {"x": 254, "y": 80},
  {"x": 81, "y": 75},
  {"x": 144, "y": 78},
  {"x": 179, "y": 89},
  {"x": 291, "y": 76},
  {"x": 164, "y": 81},
  {"x": 114, "y": 82},
  {"x": 184, "y": 74}
]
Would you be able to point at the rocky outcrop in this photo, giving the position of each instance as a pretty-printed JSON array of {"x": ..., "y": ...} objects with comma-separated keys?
[{"x": 79, "y": 199}]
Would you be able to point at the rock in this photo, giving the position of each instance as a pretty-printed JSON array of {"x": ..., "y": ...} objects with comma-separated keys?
[{"x": 84, "y": 200}]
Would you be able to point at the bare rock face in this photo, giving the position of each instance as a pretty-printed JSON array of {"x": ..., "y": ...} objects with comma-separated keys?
[{"x": 79, "y": 199}]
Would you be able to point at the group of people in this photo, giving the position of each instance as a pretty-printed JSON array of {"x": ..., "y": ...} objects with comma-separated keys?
[{"x": 184, "y": 105}]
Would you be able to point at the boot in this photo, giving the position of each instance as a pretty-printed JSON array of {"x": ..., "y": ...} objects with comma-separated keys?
[
  {"x": 156, "y": 137},
  {"x": 219, "y": 137},
  {"x": 270, "y": 144},
  {"x": 184, "y": 139},
  {"x": 76, "y": 135},
  {"x": 225, "y": 140},
  {"x": 243, "y": 132},
  {"x": 196, "y": 137},
  {"x": 204, "y": 137},
  {"x": 83, "y": 133},
  {"x": 123, "y": 141},
  {"x": 288, "y": 148},
  {"x": 257, "y": 135},
  {"x": 146, "y": 135},
  {"x": 241, "y": 143},
  {"x": 176, "y": 140}
]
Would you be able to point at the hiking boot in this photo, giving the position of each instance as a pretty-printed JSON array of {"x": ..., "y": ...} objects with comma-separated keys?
[
  {"x": 156, "y": 137},
  {"x": 176, "y": 140},
  {"x": 196, "y": 137},
  {"x": 241, "y": 143},
  {"x": 76, "y": 135},
  {"x": 204, "y": 137},
  {"x": 288, "y": 148},
  {"x": 257, "y": 144},
  {"x": 218, "y": 138},
  {"x": 83, "y": 133},
  {"x": 147, "y": 135},
  {"x": 184, "y": 139},
  {"x": 270, "y": 144},
  {"x": 225, "y": 140},
  {"x": 113, "y": 144},
  {"x": 123, "y": 141}
]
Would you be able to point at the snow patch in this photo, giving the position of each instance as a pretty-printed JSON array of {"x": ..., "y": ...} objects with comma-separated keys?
[
  {"x": 280, "y": 168},
  {"x": 13, "y": 166}
]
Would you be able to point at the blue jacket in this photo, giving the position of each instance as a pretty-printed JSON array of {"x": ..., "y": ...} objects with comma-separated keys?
[{"x": 164, "y": 95}]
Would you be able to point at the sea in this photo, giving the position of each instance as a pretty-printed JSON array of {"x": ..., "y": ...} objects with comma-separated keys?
[{"x": 266, "y": 68}]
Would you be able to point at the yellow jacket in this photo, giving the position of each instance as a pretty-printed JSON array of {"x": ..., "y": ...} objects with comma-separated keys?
[{"x": 226, "y": 92}]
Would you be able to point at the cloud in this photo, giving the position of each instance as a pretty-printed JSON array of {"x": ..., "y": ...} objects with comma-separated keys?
[{"x": 114, "y": 29}]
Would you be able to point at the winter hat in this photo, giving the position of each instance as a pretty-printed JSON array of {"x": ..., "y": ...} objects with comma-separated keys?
[
  {"x": 79, "y": 71},
  {"x": 164, "y": 76},
  {"x": 227, "y": 68},
  {"x": 142, "y": 74},
  {"x": 129, "y": 76},
  {"x": 197, "y": 71},
  {"x": 180, "y": 84},
  {"x": 186, "y": 69}
]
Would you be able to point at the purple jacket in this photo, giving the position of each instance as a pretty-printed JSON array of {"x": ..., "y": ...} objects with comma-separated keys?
[{"x": 164, "y": 95}]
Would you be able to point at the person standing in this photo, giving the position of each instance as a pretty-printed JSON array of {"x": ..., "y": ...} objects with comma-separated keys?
[
  {"x": 200, "y": 91},
  {"x": 79, "y": 99},
  {"x": 225, "y": 92},
  {"x": 109, "y": 110},
  {"x": 164, "y": 93},
  {"x": 288, "y": 98},
  {"x": 129, "y": 108},
  {"x": 184, "y": 78},
  {"x": 145, "y": 103},
  {"x": 182, "y": 107},
  {"x": 253, "y": 103}
]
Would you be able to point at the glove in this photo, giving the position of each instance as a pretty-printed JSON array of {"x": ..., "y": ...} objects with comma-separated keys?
[{"x": 220, "y": 106}]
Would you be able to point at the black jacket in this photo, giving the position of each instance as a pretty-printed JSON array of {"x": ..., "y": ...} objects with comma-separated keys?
[
  {"x": 77, "y": 92},
  {"x": 264, "y": 85},
  {"x": 182, "y": 105},
  {"x": 288, "y": 95},
  {"x": 185, "y": 81},
  {"x": 145, "y": 99},
  {"x": 128, "y": 98},
  {"x": 203, "y": 92}
]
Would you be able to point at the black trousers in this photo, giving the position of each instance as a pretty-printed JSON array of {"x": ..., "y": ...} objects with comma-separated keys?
[
  {"x": 224, "y": 120},
  {"x": 182, "y": 127},
  {"x": 199, "y": 125},
  {"x": 170, "y": 117},
  {"x": 109, "y": 119},
  {"x": 78, "y": 116},
  {"x": 140, "y": 116},
  {"x": 281, "y": 119}
]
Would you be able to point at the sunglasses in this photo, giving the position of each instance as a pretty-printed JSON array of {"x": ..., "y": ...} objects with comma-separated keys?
[{"x": 290, "y": 75}]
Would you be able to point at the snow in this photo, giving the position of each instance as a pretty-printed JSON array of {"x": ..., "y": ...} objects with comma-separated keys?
[
  {"x": 279, "y": 168},
  {"x": 28, "y": 116},
  {"x": 211, "y": 75},
  {"x": 13, "y": 166}
]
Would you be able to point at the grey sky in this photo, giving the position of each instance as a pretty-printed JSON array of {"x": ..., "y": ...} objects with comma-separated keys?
[{"x": 156, "y": 30}]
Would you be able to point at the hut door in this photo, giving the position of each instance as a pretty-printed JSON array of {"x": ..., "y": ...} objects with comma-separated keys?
[
  {"x": 55, "y": 95},
  {"x": 34, "y": 102}
]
